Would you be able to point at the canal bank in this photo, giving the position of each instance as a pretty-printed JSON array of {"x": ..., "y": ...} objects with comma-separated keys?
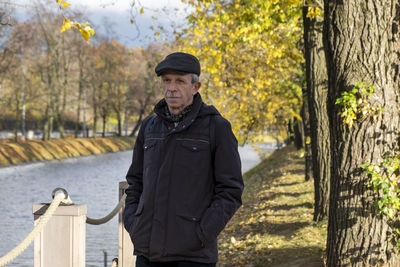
[
  {"x": 12, "y": 152},
  {"x": 91, "y": 180}
]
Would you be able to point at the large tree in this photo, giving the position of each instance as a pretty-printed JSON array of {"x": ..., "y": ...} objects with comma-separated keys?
[
  {"x": 362, "y": 52},
  {"x": 317, "y": 93}
]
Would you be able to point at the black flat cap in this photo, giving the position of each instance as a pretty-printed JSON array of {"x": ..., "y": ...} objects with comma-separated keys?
[{"x": 179, "y": 62}]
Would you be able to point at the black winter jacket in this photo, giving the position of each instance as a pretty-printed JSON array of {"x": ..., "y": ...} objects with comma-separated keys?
[{"x": 178, "y": 200}]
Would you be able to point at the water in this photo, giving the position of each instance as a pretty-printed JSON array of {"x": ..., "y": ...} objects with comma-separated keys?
[{"x": 91, "y": 180}]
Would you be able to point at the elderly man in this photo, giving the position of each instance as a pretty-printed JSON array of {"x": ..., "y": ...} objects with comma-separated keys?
[{"x": 185, "y": 179}]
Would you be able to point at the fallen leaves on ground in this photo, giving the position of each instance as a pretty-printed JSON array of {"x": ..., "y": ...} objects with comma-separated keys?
[{"x": 275, "y": 226}]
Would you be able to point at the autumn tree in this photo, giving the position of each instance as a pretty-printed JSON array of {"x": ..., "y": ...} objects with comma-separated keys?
[
  {"x": 317, "y": 93},
  {"x": 362, "y": 48},
  {"x": 250, "y": 61},
  {"x": 144, "y": 89},
  {"x": 18, "y": 50},
  {"x": 54, "y": 68}
]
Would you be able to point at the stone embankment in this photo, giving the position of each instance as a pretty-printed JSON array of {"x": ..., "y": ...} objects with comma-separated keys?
[{"x": 12, "y": 152}]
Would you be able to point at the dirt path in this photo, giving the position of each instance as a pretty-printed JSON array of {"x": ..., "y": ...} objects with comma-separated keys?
[{"x": 274, "y": 226}]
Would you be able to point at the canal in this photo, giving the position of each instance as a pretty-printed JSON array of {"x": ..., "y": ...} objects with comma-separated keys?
[{"x": 91, "y": 180}]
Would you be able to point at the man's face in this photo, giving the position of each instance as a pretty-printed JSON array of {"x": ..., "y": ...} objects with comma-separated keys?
[{"x": 178, "y": 91}]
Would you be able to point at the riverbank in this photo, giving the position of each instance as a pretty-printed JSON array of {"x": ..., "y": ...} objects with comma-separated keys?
[
  {"x": 274, "y": 227},
  {"x": 12, "y": 152}
]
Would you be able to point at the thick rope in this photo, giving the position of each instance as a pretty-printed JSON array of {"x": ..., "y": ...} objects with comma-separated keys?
[
  {"x": 114, "y": 263},
  {"x": 36, "y": 230},
  {"x": 109, "y": 216}
]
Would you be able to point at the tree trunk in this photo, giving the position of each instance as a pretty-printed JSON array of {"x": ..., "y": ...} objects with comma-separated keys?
[
  {"x": 95, "y": 119},
  {"x": 17, "y": 114},
  {"x": 78, "y": 110},
  {"x": 298, "y": 131},
  {"x": 104, "y": 117},
  {"x": 317, "y": 92},
  {"x": 95, "y": 109},
  {"x": 23, "y": 101},
  {"x": 307, "y": 132},
  {"x": 60, "y": 117},
  {"x": 362, "y": 45},
  {"x": 85, "y": 133},
  {"x": 119, "y": 120},
  {"x": 46, "y": 125}
]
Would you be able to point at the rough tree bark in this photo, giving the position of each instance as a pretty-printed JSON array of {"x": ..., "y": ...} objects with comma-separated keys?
[
  {"x": 317, "y": 91},
  {"x": 307, "y": 132},
  {"x": 362, "y": 45}
]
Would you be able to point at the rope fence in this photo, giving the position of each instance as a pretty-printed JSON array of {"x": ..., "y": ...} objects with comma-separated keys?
[
  {"x": 58, "y": 199},
  {"x": 109, "y": 216},
  {"x": 114, "y": 263}
]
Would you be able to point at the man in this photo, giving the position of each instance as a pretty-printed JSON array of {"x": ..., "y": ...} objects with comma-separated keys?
[{"x": 185, "y": 179}]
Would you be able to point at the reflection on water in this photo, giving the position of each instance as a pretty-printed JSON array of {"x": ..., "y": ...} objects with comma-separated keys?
[{"x": 91, "y": 180}]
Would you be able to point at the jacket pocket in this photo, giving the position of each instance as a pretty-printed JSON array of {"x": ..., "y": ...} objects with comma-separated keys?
[
  {"x": 148, "y": 144},
  {"x": 186, "y": 240},
  {"x": 149, "y": 148},
  {"x": 136, "y": 218},
  {"x": 194, "y": 145},
  {"x": 193, "y": 152}
]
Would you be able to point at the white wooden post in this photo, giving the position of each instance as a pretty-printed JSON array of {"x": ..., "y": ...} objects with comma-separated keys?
[
  {"x": 125, "y": 246},
  {"x": 62, "y": 242}
]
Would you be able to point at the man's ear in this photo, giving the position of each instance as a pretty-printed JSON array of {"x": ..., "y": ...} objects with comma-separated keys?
[{"x": 196, "y": 87}]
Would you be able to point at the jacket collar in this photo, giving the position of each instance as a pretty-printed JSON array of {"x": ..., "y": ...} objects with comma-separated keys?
[{"x": 159, "y": 109}]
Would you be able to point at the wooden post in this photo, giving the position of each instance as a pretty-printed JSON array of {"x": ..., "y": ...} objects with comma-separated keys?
[
  {"x": 125, "y": 246},
  {"x": 62, "y": 242}
]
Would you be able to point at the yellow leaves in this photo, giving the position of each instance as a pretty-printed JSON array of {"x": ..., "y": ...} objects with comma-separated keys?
[
  {"x": 314, "y": 12},
  {"x": 86, "y": 31},
  {"x": 308, "y": 140},
  {"x": 67, "y": 25},
  {"x": 248, "y": 50},
  {"x": 84, "y": 28},
  {"x": 63, "y": 4}
]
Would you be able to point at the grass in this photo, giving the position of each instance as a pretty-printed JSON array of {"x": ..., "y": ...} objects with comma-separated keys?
[{"x": 274, "y": 227}]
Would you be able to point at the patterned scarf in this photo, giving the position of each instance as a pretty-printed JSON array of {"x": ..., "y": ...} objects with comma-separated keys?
[{"x": 179, "y": 117}]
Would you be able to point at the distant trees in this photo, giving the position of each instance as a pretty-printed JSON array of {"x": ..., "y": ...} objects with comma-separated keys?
[{"x": 52, "y": 81}]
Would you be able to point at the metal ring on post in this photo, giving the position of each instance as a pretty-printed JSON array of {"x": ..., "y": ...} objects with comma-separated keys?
[{"x": 53, "y": 194}]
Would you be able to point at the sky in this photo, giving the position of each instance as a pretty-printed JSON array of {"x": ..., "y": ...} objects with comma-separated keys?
[{"x": 117, "y": 13}]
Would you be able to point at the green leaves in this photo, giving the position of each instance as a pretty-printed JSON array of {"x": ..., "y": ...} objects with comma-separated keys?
[
  {"x": 355, "y": 103},
  {"x": 384, "y": 181}
]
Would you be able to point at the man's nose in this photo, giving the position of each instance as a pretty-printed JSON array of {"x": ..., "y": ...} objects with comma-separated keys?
[{"x": 171, "y": 87}]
